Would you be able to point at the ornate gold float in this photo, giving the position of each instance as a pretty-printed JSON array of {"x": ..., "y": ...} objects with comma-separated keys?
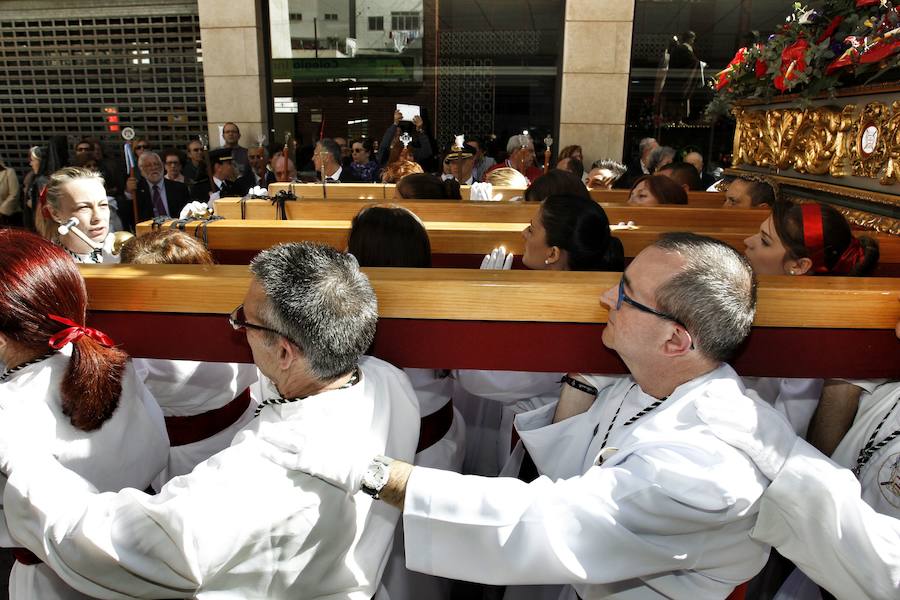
[{"x": 844, "y": 150}]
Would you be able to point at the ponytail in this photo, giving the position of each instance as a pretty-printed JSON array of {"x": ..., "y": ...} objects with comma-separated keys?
[
  {"x": 92, "y": 383},
  {"x": 869, "y": 258}
]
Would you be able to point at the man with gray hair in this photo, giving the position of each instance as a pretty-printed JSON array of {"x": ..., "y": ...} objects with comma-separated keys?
[
  {"x": 241, "y": 525},
  {"x": 327, "y": 160},
  {"x": 638, "y": 166},
  {"x": 520, "y": 156},
  {"x": 636, "y": 498},
  {"x": 155, "y": 196}
]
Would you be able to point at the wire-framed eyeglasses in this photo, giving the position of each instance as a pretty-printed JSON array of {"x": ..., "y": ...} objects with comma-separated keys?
[
  {"x": 623, "y": 297},
  {"x": 238, "y": 322}
]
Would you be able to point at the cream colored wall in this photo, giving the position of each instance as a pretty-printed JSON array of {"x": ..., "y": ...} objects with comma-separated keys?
[
  {"x": 232, "y": 39},
  {"x": 596, "y": 59}
]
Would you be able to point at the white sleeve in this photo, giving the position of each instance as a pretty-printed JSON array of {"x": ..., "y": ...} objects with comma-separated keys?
[
  {"x": 638, "y": 518},
  {"x": 201, "y": 531},
  {"x": 814, "y": 515},
  {"x": 508, "y": 387}
]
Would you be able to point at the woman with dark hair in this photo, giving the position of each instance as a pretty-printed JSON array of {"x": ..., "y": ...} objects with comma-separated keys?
[
  {"x": 652, "y": 190},
  {"x": 392, "y": 236},
  {"x": 571, "y": 233},
  {"x": 68, "y": 387},
  {"x": 363, "y": 166},
  {"x": 389, "y": 236},
  {"x": 809, "y": 239},
  {"x": 423, "y": 186},
  {"x": 567, "y": 233},
  {"x": 556, "y": 182}
]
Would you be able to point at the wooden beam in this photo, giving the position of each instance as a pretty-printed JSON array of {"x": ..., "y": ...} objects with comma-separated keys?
[
  {"x": 473, "y": 295},
  {"x": 494, "y": 212}
]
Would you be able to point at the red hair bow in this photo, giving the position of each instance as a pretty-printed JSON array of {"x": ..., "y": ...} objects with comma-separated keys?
[{"x": 75, "y": 332}]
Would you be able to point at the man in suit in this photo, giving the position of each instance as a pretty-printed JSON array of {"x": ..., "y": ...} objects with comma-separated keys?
[
  {"x": 327, "y": 160},
  {"x": 225, "y": 183},
  {"x": 232, "y": 135},
  {"x": 155, "y": 196}
]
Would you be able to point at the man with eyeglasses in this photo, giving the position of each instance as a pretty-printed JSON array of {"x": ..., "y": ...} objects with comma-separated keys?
[
  {"x": 241, "y": 525},
  {"x": 195, "y": 168},
  {"x": 327, "y": 161},
  {"x": 634, "y": 497}
]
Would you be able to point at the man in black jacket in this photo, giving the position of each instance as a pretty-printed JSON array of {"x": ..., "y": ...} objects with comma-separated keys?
[{"x": 155, "y": 196}]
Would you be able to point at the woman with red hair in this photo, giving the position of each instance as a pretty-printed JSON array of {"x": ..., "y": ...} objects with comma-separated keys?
[{"x": 67, "y": 386}]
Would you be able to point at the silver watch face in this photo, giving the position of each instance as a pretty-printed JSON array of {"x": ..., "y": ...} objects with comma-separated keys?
[{"x": 376, "y": 476}]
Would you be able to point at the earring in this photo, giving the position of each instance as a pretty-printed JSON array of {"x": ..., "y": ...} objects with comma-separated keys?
[
  {"x": 791, "y": 271},
  {"x": 546, "y": 261}
]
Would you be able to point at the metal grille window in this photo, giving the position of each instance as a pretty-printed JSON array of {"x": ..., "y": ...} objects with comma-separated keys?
[
  {"x": 376, "y": 23},
  {"x": 62, "y": 69},
  {"x": 331, "y": 17},
  {"x": 405, "y": 21}
]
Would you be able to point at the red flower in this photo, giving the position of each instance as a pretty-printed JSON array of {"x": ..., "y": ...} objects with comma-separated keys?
[
  {"x": 835, "y": 22},
  {"x": 863, "y": 3},
  {"x": 844, "y": 60},
  {"x": 793, "y": 60},
  {"x": 725, "y": 74},
  {"x": 761, "y": 68},
  {"x": 879, "y": 52}
]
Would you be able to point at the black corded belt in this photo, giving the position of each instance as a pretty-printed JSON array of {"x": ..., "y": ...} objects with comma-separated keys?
[
  {"x": 871, "y": 447},
  {"x": 199, "y": 231}
]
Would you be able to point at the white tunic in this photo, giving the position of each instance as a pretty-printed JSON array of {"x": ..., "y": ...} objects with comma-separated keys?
[
  {"x": 239, "y": 525},
  {"x": 489, "y": 401},
  {"x": 880, "y": 478},
  {"x": 795, "y": 398},
  {"x": 667, "y": 516},
  {"x": 128, "y": 450},
  {"x": 188, "y": 388},
  {"x": 813, "y": 514},
  {"x": 433, "y": 392}
]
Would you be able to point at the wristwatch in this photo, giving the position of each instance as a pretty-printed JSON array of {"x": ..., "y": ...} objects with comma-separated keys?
[{"x": 376, "y": 476}]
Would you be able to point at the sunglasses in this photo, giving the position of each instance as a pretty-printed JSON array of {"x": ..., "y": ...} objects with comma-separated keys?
[
  {"x": 172, "y": 163},
  {"x": 141, "y": 147},
  {"x": 623, "y": 297}
]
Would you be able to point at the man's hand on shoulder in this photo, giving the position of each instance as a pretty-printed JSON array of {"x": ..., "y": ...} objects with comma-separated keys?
[{"x": 323, "y": 455}]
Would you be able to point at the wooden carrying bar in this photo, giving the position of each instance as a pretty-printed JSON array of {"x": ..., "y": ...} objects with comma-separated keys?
[
  {"x": 380, "y": 192},
  {"x": 494, "y": 212},
  {"x": 453, "y": 238},
  {"x": 513, "y": 320}
]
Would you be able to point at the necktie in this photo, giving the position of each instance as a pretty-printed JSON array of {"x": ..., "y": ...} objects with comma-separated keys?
[{"x": 158, "y": 207}]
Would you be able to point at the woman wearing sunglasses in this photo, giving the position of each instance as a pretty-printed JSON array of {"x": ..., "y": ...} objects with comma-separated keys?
[
  {"x": 363, "y": 166},
  {"x": 69, "y": 387}
]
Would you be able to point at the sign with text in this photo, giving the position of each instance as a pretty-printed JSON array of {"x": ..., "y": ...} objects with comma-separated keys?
[{"x": 365, "y": 68}]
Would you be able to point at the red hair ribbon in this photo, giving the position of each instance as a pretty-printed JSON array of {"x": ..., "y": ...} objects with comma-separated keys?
[
  {"x": 814, "y": 236},
  {"x": 75, "y": 332},
  {"x": 42, "y": 204},
  {"x": 850, "y": 258}
]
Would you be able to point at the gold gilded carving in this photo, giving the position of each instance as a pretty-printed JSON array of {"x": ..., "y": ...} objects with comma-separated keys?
[
  {"x": 891, "y": 133},
  {"x": 810, "y": 140}
]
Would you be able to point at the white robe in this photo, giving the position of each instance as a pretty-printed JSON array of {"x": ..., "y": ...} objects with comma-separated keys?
[
  {"x": 795, "y": 398},
  {"x": 667, "y": 516},
  {"x": 814, "y": 515},
  {"x": 433, "y": 393},
  {"x": 187, "y": 388},
  {"x": 239, "y": 525},
  {"x": 128, "y": 450},
  {"x": 489, "y": 402},
  {"x": 879, "y": 480}
]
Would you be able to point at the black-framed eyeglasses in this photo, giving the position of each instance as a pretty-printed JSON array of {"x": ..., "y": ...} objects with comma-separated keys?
[
  {"x": 623, "y": 297},
  {"x": 238, "y": 321}
]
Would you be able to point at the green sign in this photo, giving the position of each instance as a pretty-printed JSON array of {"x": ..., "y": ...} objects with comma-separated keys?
[{"x": 378, "y": 68}]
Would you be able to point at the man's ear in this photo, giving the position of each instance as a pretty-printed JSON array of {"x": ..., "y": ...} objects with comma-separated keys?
[
  {"x": 287, "y": 353},
  {"x": 679, "y": 341}
]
